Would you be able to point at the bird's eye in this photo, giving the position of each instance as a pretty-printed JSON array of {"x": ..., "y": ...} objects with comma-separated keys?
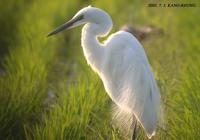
[{"x": 80, "y": 17}]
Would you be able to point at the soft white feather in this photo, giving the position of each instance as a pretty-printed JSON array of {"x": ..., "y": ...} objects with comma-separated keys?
[
  {"x": 126, "y": 74},
  {"x": 128, "y": 80},
  {"x": 122, "y": 65}
]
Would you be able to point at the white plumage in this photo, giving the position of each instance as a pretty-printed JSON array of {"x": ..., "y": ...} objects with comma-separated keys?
[
  {"x": 123, "y": 67},
  {"x": 128, "y": 80}
]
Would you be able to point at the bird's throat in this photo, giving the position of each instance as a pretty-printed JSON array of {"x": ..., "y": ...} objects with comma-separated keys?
[{"x": 92, "y": 49}]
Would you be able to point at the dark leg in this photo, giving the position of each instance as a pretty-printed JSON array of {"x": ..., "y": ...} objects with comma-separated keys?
[{"x": 134, "y": 131}]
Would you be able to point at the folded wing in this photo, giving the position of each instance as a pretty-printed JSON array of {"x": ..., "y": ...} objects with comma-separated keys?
[{"x": 128, "y": 80}]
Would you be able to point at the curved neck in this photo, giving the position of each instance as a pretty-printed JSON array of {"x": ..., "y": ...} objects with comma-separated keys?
[{"x": 92, "y": 48}]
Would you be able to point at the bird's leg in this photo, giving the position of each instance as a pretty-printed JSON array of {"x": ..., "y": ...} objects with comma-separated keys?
[{"x": 134, "y": 130}]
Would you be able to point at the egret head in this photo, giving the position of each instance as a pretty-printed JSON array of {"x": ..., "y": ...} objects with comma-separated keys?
[{"x": 88, "y": 15}]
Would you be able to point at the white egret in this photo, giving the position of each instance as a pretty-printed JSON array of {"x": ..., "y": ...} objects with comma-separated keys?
[{"x": 122, "y": 65}]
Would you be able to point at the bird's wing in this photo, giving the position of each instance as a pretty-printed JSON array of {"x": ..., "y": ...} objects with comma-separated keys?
[{"x": 128, "y": 79}]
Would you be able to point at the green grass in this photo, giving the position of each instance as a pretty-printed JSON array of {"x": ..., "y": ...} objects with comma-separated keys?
[{"x": 33, "y": 66}]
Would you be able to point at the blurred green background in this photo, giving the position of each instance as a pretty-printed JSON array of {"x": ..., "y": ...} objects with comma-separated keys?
[{"x": 48, "y": 92}]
